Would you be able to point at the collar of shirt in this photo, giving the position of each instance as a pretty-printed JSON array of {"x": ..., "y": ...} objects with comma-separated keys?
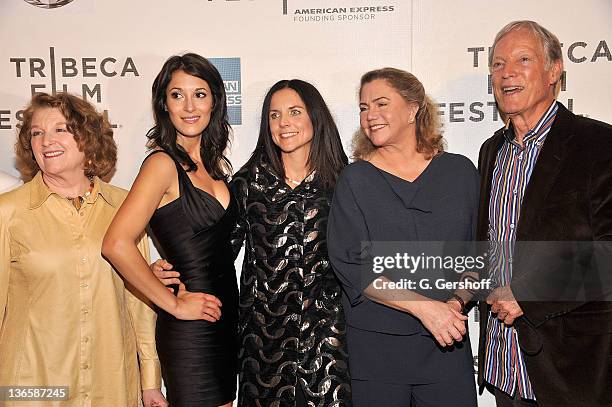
[
  {"x": 39, "y": 192},
  {"x": 538, "y": 132}
]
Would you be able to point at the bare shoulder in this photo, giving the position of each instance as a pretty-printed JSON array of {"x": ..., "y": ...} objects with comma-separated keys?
[
  {"x": 156, "y": 182},
  {"x": 159, "y": 159},
  {"x": 158, "y": 166}
]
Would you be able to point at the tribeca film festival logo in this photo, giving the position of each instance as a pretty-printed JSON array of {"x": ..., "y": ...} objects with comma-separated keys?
[
  {"x": 229, "y": 68},
  {"x": 48, "y": 3},
  {"x": 323, "y": 13},
  {"x": 48, "y": 76},
  {"x": 578, "y": 52}
]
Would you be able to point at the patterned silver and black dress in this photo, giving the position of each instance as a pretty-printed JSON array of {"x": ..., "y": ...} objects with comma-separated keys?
[{"x": 292, "y": 328}]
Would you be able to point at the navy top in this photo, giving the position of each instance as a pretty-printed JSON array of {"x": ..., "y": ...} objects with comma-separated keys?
[{"x": 372, "y": 205}]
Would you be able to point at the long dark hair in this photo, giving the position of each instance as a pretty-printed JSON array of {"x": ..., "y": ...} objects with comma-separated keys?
[
  {"x": 326, "y": 155},
  {"x": 215, "y": 137}
]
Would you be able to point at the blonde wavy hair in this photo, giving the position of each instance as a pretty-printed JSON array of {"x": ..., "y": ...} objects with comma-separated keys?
[{"x": 428, "y": 128}]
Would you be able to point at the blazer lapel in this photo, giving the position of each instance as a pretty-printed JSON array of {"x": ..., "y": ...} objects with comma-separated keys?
[
  {"x": 486, "y": 166},
  {"x": 546, "y": 169}
]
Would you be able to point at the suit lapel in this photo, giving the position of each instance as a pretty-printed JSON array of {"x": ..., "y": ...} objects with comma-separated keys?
[
  {"x": 546, "y": 169},
  {"x": 486, "y": 166}
]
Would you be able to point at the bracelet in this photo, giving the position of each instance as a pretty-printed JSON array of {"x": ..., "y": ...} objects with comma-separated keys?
[{"x": 460, "y": 300}]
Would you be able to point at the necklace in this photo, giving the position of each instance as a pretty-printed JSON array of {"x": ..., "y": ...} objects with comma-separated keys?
[
  {"x": 294, "y": 182},
  {"x": 78, "y": 201}
]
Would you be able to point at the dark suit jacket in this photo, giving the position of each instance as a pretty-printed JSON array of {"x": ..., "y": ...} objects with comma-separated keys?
[{"x": 567, "y": 344}]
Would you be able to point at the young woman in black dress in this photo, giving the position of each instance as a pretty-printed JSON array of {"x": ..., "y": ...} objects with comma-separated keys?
[{"x": 181, "y": 192}]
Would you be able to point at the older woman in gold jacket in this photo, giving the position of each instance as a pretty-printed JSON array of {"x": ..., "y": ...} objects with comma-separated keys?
[{"x": 66, "y": 317}]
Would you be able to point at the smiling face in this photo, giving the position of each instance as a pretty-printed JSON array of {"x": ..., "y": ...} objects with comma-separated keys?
[
  {"x": 189, "y": 102},
  {"x": 290, "y": 125},
  {"x": 385, "y": 116},
  {"x": 524, "y": 89},
  {"x": 55, "y": 150}
]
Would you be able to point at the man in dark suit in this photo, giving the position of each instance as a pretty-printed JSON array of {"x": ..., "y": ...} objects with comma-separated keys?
[{"x": 546, "y": 177}]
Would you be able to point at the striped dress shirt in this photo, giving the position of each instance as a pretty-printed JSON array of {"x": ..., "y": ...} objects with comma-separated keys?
[{"x": 504, "y": 364}]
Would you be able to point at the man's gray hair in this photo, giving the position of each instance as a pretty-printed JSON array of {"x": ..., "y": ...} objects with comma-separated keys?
[{"x": 549, "y": 41}]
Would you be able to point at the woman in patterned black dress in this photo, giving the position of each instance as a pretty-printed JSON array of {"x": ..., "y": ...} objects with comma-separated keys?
[{"x": 292, "y": 328}]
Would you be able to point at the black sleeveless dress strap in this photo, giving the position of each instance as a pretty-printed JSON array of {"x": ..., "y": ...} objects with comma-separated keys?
[{"x": 198, "y": 358}]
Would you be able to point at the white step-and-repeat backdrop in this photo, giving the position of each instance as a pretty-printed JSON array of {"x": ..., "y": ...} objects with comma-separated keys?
[{"x": 109, "y": 51}]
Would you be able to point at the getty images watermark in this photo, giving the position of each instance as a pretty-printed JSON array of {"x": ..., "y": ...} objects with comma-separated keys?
[
  {"x": 579, "y": 271},
  {"x": 433, "y": 269},
  {"x": 416, "y": 264}
]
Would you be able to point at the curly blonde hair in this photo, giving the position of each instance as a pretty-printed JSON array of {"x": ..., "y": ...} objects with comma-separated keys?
[
  {"x": 92, "y": 133},
  {"x": 428, "y": 128}
]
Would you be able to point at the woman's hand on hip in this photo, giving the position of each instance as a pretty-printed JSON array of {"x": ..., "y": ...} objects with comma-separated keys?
[{"x": 193, "y": 306}]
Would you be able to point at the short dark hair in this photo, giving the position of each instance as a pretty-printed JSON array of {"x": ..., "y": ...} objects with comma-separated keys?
[
  {"x": 326, "y": 155},
  {"x": 215, "y": 137},
  {"x": 91, "y": 130}
]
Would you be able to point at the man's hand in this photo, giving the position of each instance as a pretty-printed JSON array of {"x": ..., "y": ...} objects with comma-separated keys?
[
  {"x": 164, "y": 273},
  {"x": 504, "y": 304}
]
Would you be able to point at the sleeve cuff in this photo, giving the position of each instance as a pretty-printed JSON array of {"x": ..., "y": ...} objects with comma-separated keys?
[{"x": 150, "y": 374}]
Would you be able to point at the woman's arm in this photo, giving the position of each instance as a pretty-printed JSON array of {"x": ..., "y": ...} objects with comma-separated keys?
[
  {"x": 441, "y": 319},
  {"x": 143, "y": 321},
  {"x": 462, "y": 297},
  {"x": 156, "y": 180}
]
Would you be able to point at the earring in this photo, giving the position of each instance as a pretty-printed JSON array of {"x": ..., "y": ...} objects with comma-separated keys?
[{"x": 411, "y": 120}]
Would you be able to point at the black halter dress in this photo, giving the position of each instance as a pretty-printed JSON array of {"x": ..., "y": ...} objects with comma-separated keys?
[{"x": 198, "y": 358}]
